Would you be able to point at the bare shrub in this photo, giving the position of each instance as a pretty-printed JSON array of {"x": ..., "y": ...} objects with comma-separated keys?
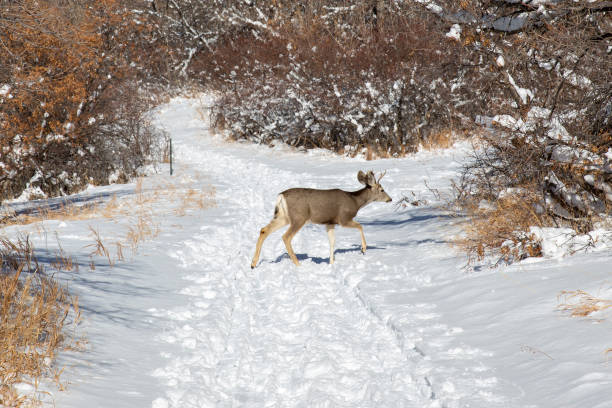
[
  {"x": 71, "y": 110},
  {"x": 502, "y": 229},
  {"x": 550, "y": 182},
  {"x": 337, "y": 78},
  {"x": 548, "y": 124}
]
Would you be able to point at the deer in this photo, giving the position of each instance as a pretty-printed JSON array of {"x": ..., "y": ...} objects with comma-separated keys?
[{"x": 297, "y": 206}]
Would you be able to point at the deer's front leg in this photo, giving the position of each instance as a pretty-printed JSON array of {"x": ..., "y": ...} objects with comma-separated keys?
[
  {"x": 275, "y": 224},
  {"x": 332, "y": 241},
  {"x": 355, "y": 224}
]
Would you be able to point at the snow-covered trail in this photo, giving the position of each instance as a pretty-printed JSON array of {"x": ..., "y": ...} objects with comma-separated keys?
[
  {"x": 308, "y": 336},
  {"x": 278, "y": 335}
]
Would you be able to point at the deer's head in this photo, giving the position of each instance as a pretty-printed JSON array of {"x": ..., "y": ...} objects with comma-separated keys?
[{"x": 377, "y": 191}]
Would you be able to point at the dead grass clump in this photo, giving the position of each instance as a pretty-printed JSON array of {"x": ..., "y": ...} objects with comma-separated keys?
[
  {"x": 581, "y": 303},
  {"x": 144, "y": 228},
  {"x": 112, "y": 208},
  {"x": 502, "y": 227},
  {"x": 18, "y": 254},
  {"x": 63, "y": 262},
  {"x": 194, "y": 199},
  {"x": 98, "y": 246},
  {"x": 138, "y": 211},
  {"x": 34, "y": 310},
  {"x": 65, "y": 211}
]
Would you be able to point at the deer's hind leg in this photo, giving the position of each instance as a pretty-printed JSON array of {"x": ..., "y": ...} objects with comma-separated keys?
[
  {"x": 288, "y": 236},
  {"x": 277, "y": 222}
]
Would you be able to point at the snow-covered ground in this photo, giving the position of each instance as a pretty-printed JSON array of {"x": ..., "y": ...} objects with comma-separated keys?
[{"x": 185, "y": 322}]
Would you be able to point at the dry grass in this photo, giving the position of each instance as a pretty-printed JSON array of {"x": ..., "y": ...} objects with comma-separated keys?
[
  {"x": 35, "y": 308},
  {"x": 502, "y": 228},
  {"x": 33, "y": 314},
  {"x": 193, "y": 199},
  {"x": 582, "y": 304},
  {"x": 141, "y": 224},
  {"x": 143, "y": 229},
  {"x": 18, "y": 254},
  {"x": 63, "y": 262},
  {"x": 141, "y": 197},
  {"x": 120, "y": 256},
  {"x": 98, "y": 246},
  {"x": 143, "y": 201},
  {"x": 65, "y": 211},
  {"x": 440, "y": 140}
]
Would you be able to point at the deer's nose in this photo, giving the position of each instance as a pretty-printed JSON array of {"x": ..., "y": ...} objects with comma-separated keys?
[{"x": 389, "y": 200}]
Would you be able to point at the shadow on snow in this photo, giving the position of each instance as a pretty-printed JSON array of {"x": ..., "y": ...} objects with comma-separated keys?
[{"x": 319, "y": 260}]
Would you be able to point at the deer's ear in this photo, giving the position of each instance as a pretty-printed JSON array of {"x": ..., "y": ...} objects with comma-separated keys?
[
  {"x": 363, "y": 179},
  {"x": 370, "y": 179}
]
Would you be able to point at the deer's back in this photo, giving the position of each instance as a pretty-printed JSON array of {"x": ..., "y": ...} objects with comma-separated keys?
[{"x": 319, "y": 206}]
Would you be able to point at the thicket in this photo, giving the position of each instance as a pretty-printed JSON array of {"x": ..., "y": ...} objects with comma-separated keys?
[
  {"x": 331, "y": 74},
  {"x": 546, "y": 156},
  {"x": 341, "y": 79},
  {"x": 71, "y": 101}
]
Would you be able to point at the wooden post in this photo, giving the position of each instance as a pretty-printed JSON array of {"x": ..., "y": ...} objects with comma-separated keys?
[{"x": 170, "y": 156}]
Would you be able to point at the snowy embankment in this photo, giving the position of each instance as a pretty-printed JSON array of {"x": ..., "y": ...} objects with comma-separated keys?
[{"x": 185, "y": 322}]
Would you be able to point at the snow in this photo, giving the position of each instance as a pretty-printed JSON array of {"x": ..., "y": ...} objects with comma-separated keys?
[
  {"x": 431, "y": 6},
  {"x": 185, "y": 322},
  {"x": 558, "y": 242},
  {"x": 454, "y": 32},
  {"x": 500, "y": 61},
  {"x": 537, "y": 116},
  {"x": 525, "y": 94}
]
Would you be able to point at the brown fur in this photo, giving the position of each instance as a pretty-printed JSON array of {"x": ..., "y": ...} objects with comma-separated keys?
[{"x": 297, "y": 206}]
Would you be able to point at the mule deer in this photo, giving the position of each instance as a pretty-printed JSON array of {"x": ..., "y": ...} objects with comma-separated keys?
[{"x": 297, "y": 206}]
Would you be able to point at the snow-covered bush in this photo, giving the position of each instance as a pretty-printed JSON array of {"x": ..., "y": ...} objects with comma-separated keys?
[
  {"x": 341, "y": 78},
  {"x": 70, "y": 107},
  {"x": 548, "y": 131}
]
